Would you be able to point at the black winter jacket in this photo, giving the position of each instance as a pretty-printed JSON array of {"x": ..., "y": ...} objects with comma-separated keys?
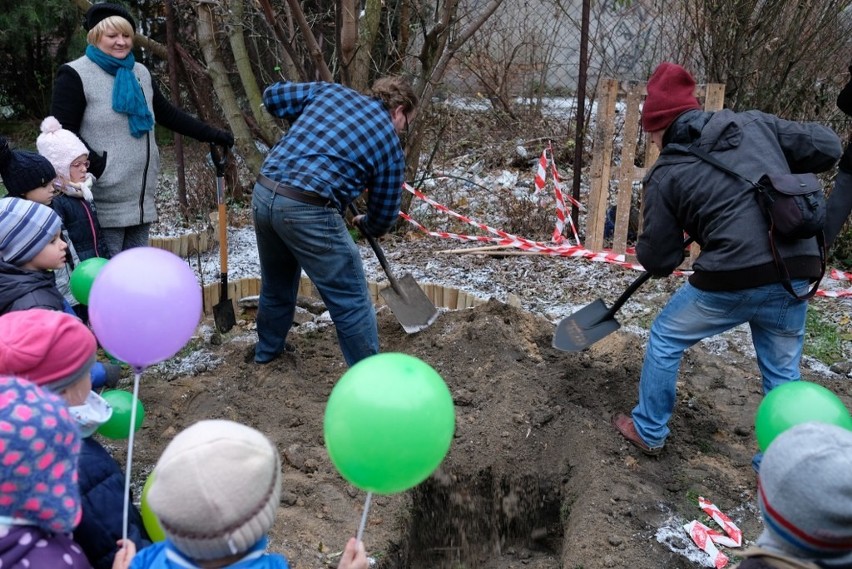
[
  {"x": 683, "y": 193},
  {"x": 102, "y": 494},
  {"x": 80, "y": 219},
  {"x": 21, "y": 289}
]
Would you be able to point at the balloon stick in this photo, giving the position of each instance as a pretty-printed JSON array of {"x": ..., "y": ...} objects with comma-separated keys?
[
  {"x": 364, "y": 516},
  {"x": 129, "y": 466}
]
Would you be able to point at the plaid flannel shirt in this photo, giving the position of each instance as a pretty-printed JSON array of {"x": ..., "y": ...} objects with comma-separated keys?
[{"x": 339, "y": 144}]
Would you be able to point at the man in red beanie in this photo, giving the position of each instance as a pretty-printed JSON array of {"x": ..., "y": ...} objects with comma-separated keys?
[{"x": 735, "y": 279}]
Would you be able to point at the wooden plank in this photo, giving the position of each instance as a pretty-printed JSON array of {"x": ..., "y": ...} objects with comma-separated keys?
[
  {"x": 599, "y": 176},
  {"x": 374, "y": 292},
  {"x": 208, "y": 298},
  {"x": 714, "y": 98},
  {"x": 451, "y": 298},
  {"x": 627, "y": 170}
]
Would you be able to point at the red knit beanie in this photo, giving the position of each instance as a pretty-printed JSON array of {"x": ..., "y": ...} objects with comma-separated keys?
[
  {"x": 671, "y": 92},
  {"x": 48, "y": 347}
]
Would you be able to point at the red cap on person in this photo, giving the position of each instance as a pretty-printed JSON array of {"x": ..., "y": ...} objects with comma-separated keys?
[
  {"x": 50, "y": 348},
  {"x": 671, "y": 92}
]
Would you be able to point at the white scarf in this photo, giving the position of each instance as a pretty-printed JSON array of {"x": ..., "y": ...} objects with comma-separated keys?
[{"x": 80, "y": 190}]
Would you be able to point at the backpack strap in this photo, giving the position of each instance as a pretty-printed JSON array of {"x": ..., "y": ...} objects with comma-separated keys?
[
  {"x": 785, "y": 274},
  {"x": 694, "y": 150}
]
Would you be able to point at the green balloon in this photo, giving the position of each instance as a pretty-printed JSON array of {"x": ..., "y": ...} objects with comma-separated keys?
[
  {"x": 389, "y": 423},
  {"x": 118, "y": 426},
  {"x": 794, "y": 403},
  {"x": 149, "y": 519},
  {"x": 83, "y": 276}
]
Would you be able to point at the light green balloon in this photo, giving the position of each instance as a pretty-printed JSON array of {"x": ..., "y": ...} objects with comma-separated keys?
[
  {"x": 149, "y": 519},
  {"x": 118, "y": 425},
  {"x": 83, "y": 276},
  {"x": 389, "y": 423},
  {"x": 794, "y": 403}
]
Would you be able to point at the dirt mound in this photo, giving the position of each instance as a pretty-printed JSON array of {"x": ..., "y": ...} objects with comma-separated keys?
[{"x": 535, "y": 477}]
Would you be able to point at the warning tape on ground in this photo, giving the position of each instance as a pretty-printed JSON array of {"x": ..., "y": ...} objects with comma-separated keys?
[{"x": 707, "y": 538}]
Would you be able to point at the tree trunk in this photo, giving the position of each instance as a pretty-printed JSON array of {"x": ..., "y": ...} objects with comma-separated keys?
[
  {"x": 434, "y": 59},
  {"x": 224, "y": 91},
  {"x": 348, "y": 17},
  {"x": 310, "y": 41},
  {"x": 171, "y": 40},
  {"x": 264, "y": 120},
  {"x": 292, "y": 70},
  {"x": 369, "y": 30}
]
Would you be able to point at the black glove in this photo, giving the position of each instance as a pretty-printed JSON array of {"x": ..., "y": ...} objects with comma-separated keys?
[
  {"x": 97, "y": 163},
  {"x": 222, "y": 138},
  {"x": 844, "y": 98},
  {"x": 845, "y": 163}
]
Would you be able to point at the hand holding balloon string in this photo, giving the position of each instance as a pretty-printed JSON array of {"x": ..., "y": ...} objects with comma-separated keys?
[{"x": 144, "y": 306}]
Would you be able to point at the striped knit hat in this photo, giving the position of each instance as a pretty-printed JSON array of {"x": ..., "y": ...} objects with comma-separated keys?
[
  {"x": 805, "y": 494},
  {"x": 39, "y": 443},
  {"x": 25, "y": 229}
]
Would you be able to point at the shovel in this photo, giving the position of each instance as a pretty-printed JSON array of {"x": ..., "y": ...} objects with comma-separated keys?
[
  {"x": 595, "y": 321},
  {"x": 223, "y": 311},
  {"x": 407, "y": 301}
]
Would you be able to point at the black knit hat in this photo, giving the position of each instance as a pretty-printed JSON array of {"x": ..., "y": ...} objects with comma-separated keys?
[
  {"x": 104, "y": 10},
  {"x": 23, "y": 171}
]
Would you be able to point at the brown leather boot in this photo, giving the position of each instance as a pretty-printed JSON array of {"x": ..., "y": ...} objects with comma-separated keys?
[{"x": 624, "y": 425}]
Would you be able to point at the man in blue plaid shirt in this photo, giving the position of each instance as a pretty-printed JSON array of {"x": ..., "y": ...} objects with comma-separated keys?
[{"x": 340, "y": 143}]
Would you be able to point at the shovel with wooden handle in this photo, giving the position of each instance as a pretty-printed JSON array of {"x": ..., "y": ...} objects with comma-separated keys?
[
  {"x": 223, "y": 311},
  {"x": 405, "y": 298},
  {"x": 595, "y": 321}
]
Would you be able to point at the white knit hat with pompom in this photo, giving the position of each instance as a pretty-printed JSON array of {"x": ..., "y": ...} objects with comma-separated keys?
[{"x": 58, "y": 145}]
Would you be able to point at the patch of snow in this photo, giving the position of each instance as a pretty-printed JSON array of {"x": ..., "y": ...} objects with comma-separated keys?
[{"x": 674, "y": 537}]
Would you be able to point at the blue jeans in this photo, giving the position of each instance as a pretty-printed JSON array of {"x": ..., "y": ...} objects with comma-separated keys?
[
  {"x": 292, "y": 236},
  {"x": 777, "y": 323}
]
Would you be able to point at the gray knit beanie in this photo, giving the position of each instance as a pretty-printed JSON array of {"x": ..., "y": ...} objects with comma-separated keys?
[
  {"x": 216, "y": 489},
  {"x": 25, "y": 229},
  {"x": 805, "y": 494}
]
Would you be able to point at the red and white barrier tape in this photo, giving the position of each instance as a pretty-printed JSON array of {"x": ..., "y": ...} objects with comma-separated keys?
[
  {"x": 703, "y": 538},
  {"x": 559, "y": 247},
  {"x": 734, "y": 537},
  {"x": 540, "y": 181},
  {"x": 707, "y": 538},
  {"x": 508, "y": 240}
]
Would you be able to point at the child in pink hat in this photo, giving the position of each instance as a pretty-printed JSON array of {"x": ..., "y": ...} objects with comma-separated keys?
[
  {"x": 74, "y": 204},
  {"x": 56, "y": 351}
]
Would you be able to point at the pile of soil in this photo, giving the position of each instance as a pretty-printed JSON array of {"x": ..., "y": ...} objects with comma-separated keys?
[{"x": 536, "y": 477}]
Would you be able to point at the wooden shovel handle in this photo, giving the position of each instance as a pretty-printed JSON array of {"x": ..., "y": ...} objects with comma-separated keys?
[{"x": 380, "y": 255}]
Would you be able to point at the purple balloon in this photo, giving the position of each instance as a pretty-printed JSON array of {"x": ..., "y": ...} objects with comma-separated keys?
[{"x": 144, "y": 306}]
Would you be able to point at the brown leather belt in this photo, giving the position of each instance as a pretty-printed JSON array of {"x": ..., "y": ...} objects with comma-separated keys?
[{"x": 288, "y": 192}]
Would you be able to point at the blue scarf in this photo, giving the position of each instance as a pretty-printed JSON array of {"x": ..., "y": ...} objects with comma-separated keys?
[
  {"x": 163, "y": 555},
  {"x": 127, "y": 95}
]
